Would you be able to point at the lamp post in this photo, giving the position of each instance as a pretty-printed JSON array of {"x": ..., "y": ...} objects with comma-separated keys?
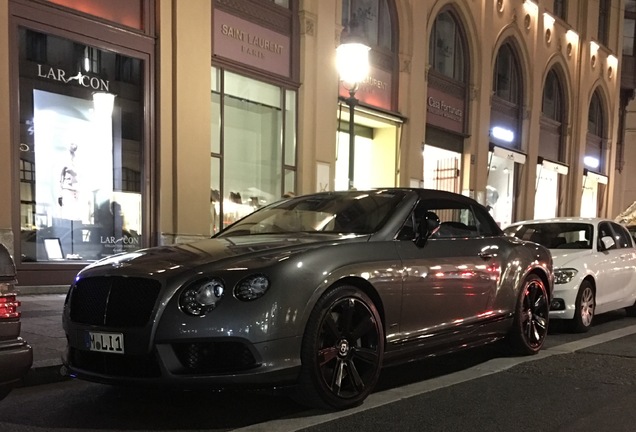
[{"x": 352, "y": 61}]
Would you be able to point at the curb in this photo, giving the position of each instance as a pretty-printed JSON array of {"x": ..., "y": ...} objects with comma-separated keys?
[{"x": 44, "y": 289}]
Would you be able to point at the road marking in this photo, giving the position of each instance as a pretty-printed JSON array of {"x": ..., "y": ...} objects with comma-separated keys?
[{"x": 311, "y": 418}]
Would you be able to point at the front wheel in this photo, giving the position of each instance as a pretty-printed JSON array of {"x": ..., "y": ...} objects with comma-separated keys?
[
  {"x": 342, "y": 350},
  {"x": 584, "y": 308},
  {"x": 531, "y": 317}
]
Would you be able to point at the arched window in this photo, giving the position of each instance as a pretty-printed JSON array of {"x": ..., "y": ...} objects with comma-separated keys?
[
  {"x": 369, "y": 19},
  {"x": 595, "y": 116},
  {"x": 446, "y": 47},
  {"x": 552, "y": 106},
  {"x": 506, "y": 79},
  {"x": 596, "y": 143}
]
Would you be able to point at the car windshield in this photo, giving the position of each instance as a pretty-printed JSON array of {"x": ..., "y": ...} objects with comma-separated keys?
[
  {"x": 344, "y": 212},
  {"x": 555, "y": 235}
]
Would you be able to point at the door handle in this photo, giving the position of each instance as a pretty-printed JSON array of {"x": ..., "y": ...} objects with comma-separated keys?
[{"x": 486, "y": 255}]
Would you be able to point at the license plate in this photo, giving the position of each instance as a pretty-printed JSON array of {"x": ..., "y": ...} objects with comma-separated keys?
[{"x": 105, "y": 342}]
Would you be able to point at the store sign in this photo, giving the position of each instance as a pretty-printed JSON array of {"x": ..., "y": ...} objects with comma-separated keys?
[
  {"x": 62, "y": 76},
  {"x": 375, "y": 90},
  {"x": 243, "y": 41},
  {"x": 444, "y": 110}
]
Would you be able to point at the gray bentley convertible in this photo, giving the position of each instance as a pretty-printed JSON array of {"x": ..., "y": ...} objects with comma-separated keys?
[{"x": 316, "y": 292}]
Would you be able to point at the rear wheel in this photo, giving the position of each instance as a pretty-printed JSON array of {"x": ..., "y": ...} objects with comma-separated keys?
[
  {"x": 531, "y": 318},
  {"x": 342, "y": 350},
  {"x": 584, "y": 308}
]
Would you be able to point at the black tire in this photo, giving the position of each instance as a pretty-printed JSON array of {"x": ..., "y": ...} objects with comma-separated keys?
[
  {"x": 4, "y": 391},
  {"x": 342, "y": 350},
  {"x": 584, "y": 308},
  {"x": 631, "y": 310},
  {"x": 530, "y": 326}
]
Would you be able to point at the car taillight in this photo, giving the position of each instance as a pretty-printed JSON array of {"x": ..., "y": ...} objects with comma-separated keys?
[{"x": 9, "y": 306}]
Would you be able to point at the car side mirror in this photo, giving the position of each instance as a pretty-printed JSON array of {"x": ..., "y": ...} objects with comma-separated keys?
[
  {"x": 607, "y": 243},
  {"x": 426, "y": 227}
]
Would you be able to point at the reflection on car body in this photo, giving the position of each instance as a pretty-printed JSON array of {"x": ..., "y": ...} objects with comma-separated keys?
[
  {"x": 594, "y": 265},
  {"x": 316, "y": 292},
  {"x": 76, "y": 241}
]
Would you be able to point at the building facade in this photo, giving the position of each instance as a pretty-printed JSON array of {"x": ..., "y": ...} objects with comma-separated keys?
[{"x": 138, "y": 123}]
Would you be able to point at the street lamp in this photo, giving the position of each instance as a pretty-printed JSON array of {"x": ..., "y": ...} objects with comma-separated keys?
[{"x": 352, "y": 61}]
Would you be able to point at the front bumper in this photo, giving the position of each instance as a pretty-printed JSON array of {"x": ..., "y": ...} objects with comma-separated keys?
[
  {"x": 16, "y": 358},
  {"x": 565, "y": 294},
  {"x": 216, "y": 363}
]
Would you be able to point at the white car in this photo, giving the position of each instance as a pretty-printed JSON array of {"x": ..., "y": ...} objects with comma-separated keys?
[{"x": 594, "y": 266}]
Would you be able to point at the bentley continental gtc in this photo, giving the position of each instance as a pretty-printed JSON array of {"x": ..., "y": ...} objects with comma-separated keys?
[{"x": 314, "y": 293}]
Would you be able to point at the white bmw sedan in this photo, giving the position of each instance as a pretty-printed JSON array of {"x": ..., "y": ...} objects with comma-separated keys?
[{"x": 594, "y": 266}]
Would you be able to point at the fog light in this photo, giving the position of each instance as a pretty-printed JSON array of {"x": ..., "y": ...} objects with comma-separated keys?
[{"x": 557, "y": 304}]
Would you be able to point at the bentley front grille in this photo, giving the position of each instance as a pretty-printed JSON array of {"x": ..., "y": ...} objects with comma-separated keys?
[{"x": 114, "y": 301}]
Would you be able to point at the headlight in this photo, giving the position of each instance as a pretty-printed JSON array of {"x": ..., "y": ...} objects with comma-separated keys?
[
  {"x": 562, "y": 276},
  {"x": 251, "y": 287},
  {"x": 202, "y": 297}
]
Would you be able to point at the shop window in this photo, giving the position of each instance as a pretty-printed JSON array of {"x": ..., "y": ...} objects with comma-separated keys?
[
  {"x": 126, "y": 70},
  {"x": 81, "y": 162},
  {"x": 253, "y": 146},
  {"x": 504, "y": 172},
  {"x": 551, "y": 149},
  {"x": 446, "y": 47},
  {"x": 441, "y": 169}
]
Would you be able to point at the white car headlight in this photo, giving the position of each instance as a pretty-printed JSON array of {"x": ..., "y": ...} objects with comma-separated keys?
[
  {"x": 201, "y": 298},
  {"x": 251, "y": 288},
  {"x": 565, "y": 275}
]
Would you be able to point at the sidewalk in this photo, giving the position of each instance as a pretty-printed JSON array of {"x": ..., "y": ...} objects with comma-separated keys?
[{"x": 42, "y": 329}]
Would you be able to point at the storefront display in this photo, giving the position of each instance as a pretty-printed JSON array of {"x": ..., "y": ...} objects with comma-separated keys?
[
  {"x": 592, "y": 185},
  {"x": 80, "y": 150},
  {"x": 255, "y": 145},
  {"x": 502, "y": 176},
  {"x": 546, "y": 200}
]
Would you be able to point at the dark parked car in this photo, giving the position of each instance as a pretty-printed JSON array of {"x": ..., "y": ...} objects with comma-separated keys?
[
  {"x": 16, "y": 356},
  {"x": 317, "y": 292}
]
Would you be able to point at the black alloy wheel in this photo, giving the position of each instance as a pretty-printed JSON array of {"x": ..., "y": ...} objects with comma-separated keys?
[
  {"x": 531, "y": 319},
  {"x": 342, "y": 350}
]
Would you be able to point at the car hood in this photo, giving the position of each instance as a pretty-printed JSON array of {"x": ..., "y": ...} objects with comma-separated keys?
[
  {"x": 215, "y": 250},
  {"x": 567, "y": 257}
]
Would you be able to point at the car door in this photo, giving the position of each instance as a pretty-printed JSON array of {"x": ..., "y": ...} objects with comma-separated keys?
[
  {"x": 627, "y": 263},
  {"x": 450, "y": 282},
  {"x": 612, "y": 273}
]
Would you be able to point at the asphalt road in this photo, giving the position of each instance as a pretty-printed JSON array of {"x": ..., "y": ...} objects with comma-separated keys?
[{"x": 577, "y": 383}]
